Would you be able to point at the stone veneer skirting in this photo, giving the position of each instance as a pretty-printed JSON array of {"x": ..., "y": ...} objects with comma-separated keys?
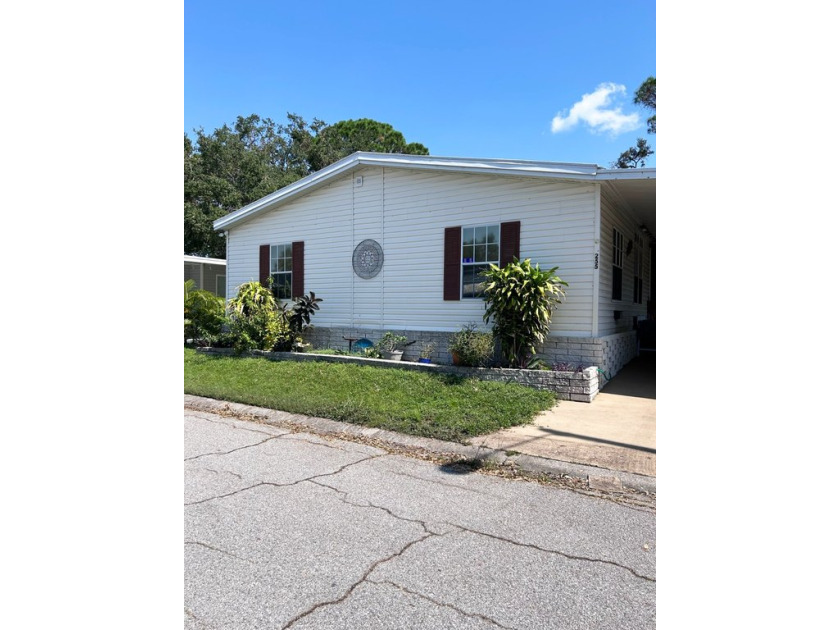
[
  {"x": 610, "y": 353},
  {"x": 579, "y": 386}
]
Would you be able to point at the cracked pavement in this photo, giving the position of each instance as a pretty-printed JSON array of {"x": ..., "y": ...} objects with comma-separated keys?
[{"x": 292, "y": 530}]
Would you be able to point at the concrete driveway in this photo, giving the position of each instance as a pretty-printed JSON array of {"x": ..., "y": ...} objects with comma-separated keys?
[
  {"x": 616, "y": 431},
  {"x": 290, "y": 530}
]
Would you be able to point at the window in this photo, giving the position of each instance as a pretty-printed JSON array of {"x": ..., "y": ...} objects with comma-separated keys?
[
  {"x": 281, "y": 271},
  {"x": 479, "y": 248},
  {"x": 618, "y": 263},
  {"x": 220, "y": 285},
  {"x": 283, "y": 265}
]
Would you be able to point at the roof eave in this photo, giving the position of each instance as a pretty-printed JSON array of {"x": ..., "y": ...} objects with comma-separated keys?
[{"x": 492, "y": 166}]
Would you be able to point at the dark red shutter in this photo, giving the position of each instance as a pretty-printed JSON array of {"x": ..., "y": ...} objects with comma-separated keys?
[
  {"x": 265, "y": 263},
  {"x": 452, "y": 263},
  {"x": 509, "y": 238},
  {"x": 297, "y": 269}
]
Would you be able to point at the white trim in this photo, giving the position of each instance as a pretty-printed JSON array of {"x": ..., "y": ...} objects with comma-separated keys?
[
  {"x": 490, "y": 166},
  {"x": 596, "y": 269},
  {"x": 205, "y": 261}
]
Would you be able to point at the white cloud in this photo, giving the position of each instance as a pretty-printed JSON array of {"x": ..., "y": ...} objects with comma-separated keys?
[{"x": 592, "y": 110}]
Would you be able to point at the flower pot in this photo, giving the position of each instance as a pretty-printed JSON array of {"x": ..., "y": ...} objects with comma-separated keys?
[
  {"x": 393, "y": 355},
  {"x": 456, "y": 359},
  {"x": 424, "y": 360}
]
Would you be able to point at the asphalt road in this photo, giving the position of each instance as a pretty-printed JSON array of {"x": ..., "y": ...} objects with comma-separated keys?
[{"x": 292, "y": 530}]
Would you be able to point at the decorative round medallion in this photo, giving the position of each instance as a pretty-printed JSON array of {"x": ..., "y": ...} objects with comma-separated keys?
[{"x": 367, "y": 258}]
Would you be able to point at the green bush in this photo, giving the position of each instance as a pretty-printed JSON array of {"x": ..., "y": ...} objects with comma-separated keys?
[
  {"x": 204, "y": 314},
  {"x": 257, "y": 322},
  {"x": 519, "y": 299},
  {"x": 471, "y": 347}
]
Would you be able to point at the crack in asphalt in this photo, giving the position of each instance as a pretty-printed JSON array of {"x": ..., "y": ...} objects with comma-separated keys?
[
  {"x": 568, "y": 556},
  {"x": 227, "y": 424},
  {"x": 212, "y": 548},
  {"x": 343, "y": 497},
  {"x": 286, "y": 485},
  {"x": 442, "y": 483},
  {"x": 192, "y": 616},
  {"x": 356, "y": 584},
  {"x": 294, "y": 436},
  {"x": 223, "y": 472},
  {"x": 643, "y": 502},
  {"x": 239, "y": 448},
  {"x": 442, "y": 604}
]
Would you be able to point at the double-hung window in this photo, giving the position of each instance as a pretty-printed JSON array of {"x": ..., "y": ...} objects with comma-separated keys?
[
  {"x": 479, "y": 249},
  {"x": 281, "y": 271}
]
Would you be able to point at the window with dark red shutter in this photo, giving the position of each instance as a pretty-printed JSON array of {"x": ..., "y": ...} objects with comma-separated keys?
[
  {"x": 467, "y": 251},
  {"x": 265, "y": 262},
  {"x": 283, "y": 265}
]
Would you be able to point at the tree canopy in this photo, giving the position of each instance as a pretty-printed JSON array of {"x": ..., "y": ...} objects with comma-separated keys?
[
  {"x": 635, "y": 156},
  {"x": 233, "y": 166}
]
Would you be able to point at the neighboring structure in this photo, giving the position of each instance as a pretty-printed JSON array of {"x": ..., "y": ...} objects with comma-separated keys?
[
  {"x": 396, "y": 242},
  {"x": 207, "y": 273}
]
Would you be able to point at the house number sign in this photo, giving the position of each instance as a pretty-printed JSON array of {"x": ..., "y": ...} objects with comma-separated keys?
[{"x": 367, "y": 258}]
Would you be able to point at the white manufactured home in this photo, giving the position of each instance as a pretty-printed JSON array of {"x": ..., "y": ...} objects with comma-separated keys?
[{"x": 396, "y": 242}]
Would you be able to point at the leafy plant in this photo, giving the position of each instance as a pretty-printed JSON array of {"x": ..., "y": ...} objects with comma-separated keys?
[
  {"x": 204, "y": 314},
  {"x": 519, "y": 299},
  {"x": 257, "y": 322},
  {"x": 305, "y": 306},
  {"x": 472, "y": 347},
  {"x": 390, "y": 342},
  {"x": 427, "y": 349}
]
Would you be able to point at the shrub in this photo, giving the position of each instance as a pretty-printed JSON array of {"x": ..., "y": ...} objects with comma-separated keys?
[
  {"x": 472, "y": 347},
  {"x": 519, "y": 298},
  {"x": 256, "y": 320},
  {"x": 204, "y": 314}
]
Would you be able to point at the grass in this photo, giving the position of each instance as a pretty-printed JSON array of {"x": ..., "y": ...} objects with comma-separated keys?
[{"x": 418, "y": 403}]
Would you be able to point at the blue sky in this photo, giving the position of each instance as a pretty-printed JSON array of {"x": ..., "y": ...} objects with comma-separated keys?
[{"x": 532, "y": 80}]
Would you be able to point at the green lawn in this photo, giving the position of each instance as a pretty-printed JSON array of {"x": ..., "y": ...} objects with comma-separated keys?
[{"x": 419, "y": 403}]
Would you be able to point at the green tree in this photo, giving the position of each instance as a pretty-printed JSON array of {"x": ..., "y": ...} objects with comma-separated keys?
[
  {"x": 234, "y": 166},
  {"x": 635, "y": 156},
  {"x": 348, "y": 136}
]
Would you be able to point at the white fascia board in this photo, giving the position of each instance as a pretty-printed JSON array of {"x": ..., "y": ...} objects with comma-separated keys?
[
  {"x": 483, "y": 165},
  {"x": 206, "y": 261},
  {"x": 626, "y": 173},
  {"x": 284, "y": 194}
]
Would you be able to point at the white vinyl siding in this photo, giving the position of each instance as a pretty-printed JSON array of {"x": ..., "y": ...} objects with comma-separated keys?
[
  {"x": 614, "y": 217},
  {"x": 406, "y": 211}
]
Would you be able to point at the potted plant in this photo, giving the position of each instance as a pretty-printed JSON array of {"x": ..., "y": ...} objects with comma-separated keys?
[
  {"x": 426, "y": 351},
  {"x": 471, "y": 347},
  {"x": 391, "y": 346}
]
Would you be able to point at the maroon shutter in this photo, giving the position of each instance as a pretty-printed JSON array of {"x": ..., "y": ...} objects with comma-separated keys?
[
  {"x": 265, "y": 263},
  {"x": 297, "y": 269},
  {"x": 509, "y": 238},
  {"x": 452, "y": 263}
]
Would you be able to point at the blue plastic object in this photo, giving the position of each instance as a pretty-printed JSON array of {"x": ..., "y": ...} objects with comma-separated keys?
[{"x": 363, "y": 343}]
